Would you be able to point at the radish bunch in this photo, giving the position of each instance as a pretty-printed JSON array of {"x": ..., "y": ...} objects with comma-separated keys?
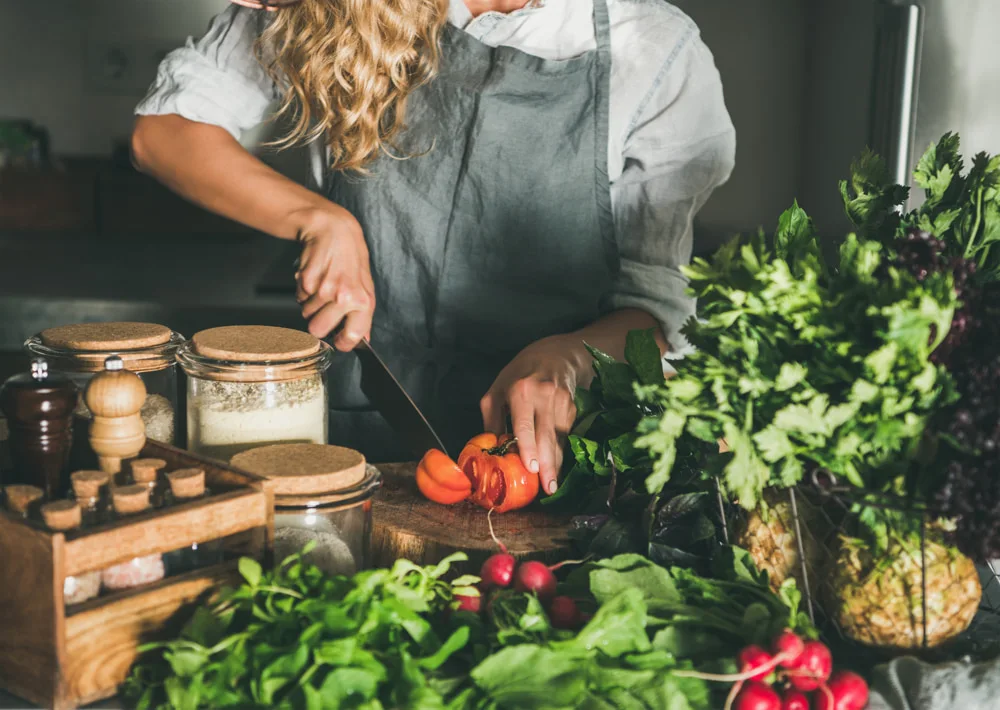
[
  {"x": 501, "y": 571},
  {"x": 794, "y": 675}
]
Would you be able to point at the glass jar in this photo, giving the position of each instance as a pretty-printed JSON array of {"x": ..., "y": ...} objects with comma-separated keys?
[
  {"x": 322, "y": 494},
  {"x": 132, "y": 500},
  {"x": 249, "y": 386},
  {"x": 149, "y": 350},
  {"x": 187, "y": 485},
  {"x": 64, "y": 516},
  {"x": 91, "y": 491}
]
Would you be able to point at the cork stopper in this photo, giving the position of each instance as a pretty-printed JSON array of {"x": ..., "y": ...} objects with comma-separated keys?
[
  {"x": 304, "y": 469},
  {"x": 254, "y": 343},
  {"x": 62, "y": 515},
  {"x": 129, "y": 500},
  {"x": 187, "y": 482},
  {"x": 106, "y": 336},
  {"x": 147, "y": 470},
  {"x": 20, "y": 498},
  {"x": 88, "y": 484}
]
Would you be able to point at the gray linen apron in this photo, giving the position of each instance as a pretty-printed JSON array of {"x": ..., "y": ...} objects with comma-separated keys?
[{"x": 498, "y": 232}]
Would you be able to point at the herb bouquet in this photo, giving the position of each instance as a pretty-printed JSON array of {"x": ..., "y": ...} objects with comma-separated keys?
[{"x": 831, "y": 371}]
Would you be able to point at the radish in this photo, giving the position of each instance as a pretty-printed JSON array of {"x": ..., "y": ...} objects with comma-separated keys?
[
  {"x": 757, "y": 696},
  {"x": 846, "y": 691},
  {"x": 532, "y": 576},
  {"x": 794, "y": 700},
  {"x": 469, "y": 603},
  {"x": 497, "y": 570},
  {"x": 789, "y": 646},
  {"x": 813, "y": 668},
  {"x": 753, "y": 657},
  {"x": 564, "y": 613}
]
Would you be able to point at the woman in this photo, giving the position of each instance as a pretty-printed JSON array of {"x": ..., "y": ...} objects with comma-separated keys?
[{"x": 497, "y": 182}]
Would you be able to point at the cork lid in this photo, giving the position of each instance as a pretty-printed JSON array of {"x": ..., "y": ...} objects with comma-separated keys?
[
  {"x": 131, "y": 499},
  {"x": 254, "y": 343},
  {"x": 62, "y": 515},
  {"x": 106, "y": 336},
  {"x": 146, "y": 470},
  {"x": 187, "y": 482},
  {"x": 304, "y": 469},
  {"x": 20, "y": 498},
  {"x": 88, "y": 484}
]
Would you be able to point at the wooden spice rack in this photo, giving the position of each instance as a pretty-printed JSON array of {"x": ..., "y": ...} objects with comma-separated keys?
[{"x": 63, "y": 657}]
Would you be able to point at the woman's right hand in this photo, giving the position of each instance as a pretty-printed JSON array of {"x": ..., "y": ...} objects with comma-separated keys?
[{"x": 334, "y": 278}]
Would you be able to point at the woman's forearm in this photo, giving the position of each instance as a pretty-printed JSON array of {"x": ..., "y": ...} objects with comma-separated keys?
[{"x": 206, "y": 165}]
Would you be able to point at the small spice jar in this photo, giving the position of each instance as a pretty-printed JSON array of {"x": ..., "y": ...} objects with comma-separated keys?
[
  {"x": 131, "y": 500},
  {"x": 322, "y": 494},
  {"x": 250, "y": 386},
  {"x": 149, "y": 350},
  {"x": 90, "y": 489},
  {"x": 22, "y": 501},
  {"x": 63, "y": 516},
  {"x": 186, "y": 485},
  {"x": 150, "y": 473}
]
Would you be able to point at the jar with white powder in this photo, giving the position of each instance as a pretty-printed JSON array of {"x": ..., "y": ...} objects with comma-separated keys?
[
  {"x": 322, "y": 494},
  {"x": 250, "y": 386},
  {"x": 65, "y": 516},
  {"x": 147, "y": 349}
]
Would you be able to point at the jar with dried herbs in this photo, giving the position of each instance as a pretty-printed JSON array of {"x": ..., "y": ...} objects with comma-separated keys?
[{"x": 250, "y": 386}]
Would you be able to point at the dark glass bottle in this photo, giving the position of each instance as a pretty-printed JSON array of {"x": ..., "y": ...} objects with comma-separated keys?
[{"x": 39, "y": 409}]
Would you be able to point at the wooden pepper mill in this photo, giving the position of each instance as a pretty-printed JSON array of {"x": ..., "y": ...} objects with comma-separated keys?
[
  {"x": 115, "y": 398},
  {"x": 39, "y": 409}
]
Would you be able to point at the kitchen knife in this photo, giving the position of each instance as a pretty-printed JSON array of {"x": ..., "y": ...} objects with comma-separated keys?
[{"x": 393, "y": 403}]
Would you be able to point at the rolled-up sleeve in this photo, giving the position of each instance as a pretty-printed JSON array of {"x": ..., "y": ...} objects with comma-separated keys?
[
  {"x": 216, "y": 79},
  {"x": 680, "y": 147}
]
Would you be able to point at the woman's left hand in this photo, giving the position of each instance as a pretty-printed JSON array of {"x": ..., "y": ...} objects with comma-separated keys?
[{"x": 537, "y": 389}]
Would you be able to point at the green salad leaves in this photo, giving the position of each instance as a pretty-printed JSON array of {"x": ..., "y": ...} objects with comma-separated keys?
[{"x": 387, "y": 639}]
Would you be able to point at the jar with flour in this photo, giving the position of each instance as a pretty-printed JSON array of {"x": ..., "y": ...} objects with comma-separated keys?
[
  {"x": 250, "y": 386},
  {"x": 149, "y": 350},
  {"x": 322, "y": 494}
]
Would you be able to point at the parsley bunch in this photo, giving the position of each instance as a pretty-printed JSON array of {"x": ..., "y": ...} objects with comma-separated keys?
[{"x": 803, "y": 364}]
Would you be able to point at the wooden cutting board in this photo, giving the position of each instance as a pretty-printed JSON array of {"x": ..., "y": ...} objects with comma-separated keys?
[{"x": 407, "y": 525}]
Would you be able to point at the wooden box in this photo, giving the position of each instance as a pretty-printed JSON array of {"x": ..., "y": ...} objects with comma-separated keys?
[{"x": 62, "y": 657}]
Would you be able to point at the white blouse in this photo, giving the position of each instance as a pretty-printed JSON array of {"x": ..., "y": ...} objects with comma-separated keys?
[{"x": 671, "y": 141}]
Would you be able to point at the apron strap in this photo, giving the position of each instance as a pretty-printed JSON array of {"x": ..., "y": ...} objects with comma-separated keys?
[{"x": 602, "y": 101}]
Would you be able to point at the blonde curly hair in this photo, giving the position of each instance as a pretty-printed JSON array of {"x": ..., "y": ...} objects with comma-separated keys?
[{"x": 347, "y": 67}]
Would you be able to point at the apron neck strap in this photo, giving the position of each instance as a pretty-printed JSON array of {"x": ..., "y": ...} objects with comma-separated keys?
[{"x": 602, "y": 24}]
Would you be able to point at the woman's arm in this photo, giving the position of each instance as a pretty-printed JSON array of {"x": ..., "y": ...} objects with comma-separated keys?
[{"x": 206, "y": 165}]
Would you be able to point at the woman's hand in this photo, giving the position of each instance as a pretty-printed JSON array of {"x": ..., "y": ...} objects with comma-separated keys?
[
  {"x": 537, "y": 389},
  {"x": 334, "y": 278}
]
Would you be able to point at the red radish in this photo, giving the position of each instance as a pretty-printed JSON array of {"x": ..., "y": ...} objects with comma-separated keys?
[
  {"x": 532, "y": 576},
  {"x": 498, "y": 570},
  {"x": 794, "y": 700},
  {"x": 753, "y": 657},
  {"x": 564, "y": 613},
  {"x": 468, "y": 603},
  {"x": 813, "y": 668},
  {"x": 848, "y": 691},
  {"x": 757, "y": 696},
  {"x": 789, "y": 646}
]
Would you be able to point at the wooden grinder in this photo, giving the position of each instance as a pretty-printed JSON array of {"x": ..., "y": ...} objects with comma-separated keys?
[{"x": 115, "y": 398}]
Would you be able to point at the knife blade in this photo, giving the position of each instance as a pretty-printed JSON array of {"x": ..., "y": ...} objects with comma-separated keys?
[{"x": 391, "y": 400}]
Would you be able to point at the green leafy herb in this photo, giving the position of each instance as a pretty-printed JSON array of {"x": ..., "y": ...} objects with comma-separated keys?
[{"x": 801, "y": 365}]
